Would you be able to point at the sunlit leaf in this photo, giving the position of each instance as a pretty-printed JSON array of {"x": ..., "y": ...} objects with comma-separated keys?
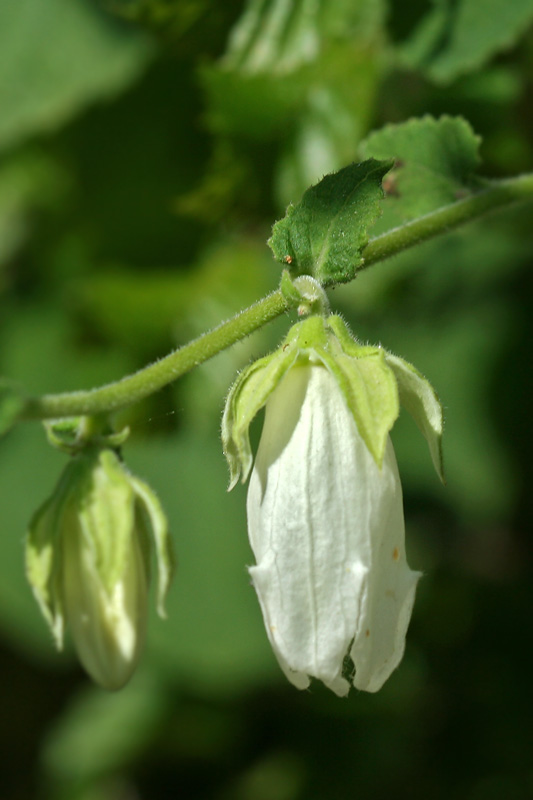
[
  {"x": 323, "y": 234},
  {"x": 434, "y": 164}
]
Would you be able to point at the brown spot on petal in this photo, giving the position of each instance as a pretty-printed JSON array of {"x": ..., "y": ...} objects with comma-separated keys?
[
  {"x": 367, "y": 633},
  {"x": 395, "y": 554}
]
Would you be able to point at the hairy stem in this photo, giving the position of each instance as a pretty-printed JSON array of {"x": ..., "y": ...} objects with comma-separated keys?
[
  {"x": 135, "y": 387},
  {"x": 495, "y": 194}
]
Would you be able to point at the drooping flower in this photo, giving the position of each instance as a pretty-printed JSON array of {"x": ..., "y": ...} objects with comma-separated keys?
[
  {"x": 88, "y": 562},
  {"x": 325, "y": 515}
]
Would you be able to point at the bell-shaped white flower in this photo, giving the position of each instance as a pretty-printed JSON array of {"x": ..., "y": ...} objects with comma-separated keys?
[
  {"x": 325, "y": 516},
  {"x": 326, "y": 526}
]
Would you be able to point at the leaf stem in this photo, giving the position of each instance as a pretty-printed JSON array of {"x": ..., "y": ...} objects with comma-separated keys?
[{"x": 135, "y": 387}]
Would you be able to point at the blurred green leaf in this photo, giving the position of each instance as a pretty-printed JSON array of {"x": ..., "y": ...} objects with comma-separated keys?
[
  {"x": 302, "y": 71},
  {"x": 435, "y": 162},
  {"x": 323, "y": 234},
  {"x": 279, "y": 36},
  {"x": 457, "y": 38},
  {"x": 336, "y": 112},
  {"x": 56, "y": 58}
]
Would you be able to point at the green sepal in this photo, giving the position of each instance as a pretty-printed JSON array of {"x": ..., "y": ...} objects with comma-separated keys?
[
  {"x": 102, "y": 503},
  {"x": 42, "y": 568},
  {"x": 246, "y": 397},
  {"x": 345, "y": 340},
  {"x": 152, "y": 522},
  {"x": 371, "y": 394},
  {"x": 43, "y": 555},
  {"x": 72, "y": 435},
  {"x": 325, "y": 233},
  {"x": 419, "y": 398}
]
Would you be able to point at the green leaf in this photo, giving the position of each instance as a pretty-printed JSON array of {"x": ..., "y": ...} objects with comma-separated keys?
[
  {"x": 435, "y": 161},
  {"x": 324, "y": 234},
  {"x": 419, "y": 398},
  {"x": 457, "y": 38},
  {"x": 57, "y": 57}
]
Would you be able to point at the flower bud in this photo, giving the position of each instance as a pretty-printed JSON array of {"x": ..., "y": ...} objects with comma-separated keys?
[
  {"x": 325, "y": 514},
  {"x": 88, "y": 562}
]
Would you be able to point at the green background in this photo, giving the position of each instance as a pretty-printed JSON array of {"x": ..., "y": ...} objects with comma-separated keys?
[{"x": 146, "y": 148}]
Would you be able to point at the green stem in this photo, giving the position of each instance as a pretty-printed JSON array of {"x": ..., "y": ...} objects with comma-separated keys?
[
  {"x": 494, "y": 195},
  {"x": 153, "y": 377}
]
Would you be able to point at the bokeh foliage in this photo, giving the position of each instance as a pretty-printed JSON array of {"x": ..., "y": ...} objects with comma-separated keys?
[{"x": 146, "y": 148}]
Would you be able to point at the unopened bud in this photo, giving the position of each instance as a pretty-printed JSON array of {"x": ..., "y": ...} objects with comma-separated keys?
[{"x": 88, "y": 562}]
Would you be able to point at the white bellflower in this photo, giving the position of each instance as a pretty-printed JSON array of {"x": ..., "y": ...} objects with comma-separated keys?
[
  {"x": 325, "y": 514},
  {"x": 326, "y": 527}
]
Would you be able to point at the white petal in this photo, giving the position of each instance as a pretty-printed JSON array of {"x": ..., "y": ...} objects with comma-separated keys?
[
  {"x": 321, "y": 517},
  {"x": 380, "y": 642}
]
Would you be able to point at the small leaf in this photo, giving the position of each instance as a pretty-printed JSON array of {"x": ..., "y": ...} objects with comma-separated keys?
[
  {"x": 11, "y": 404},
  {"x": 324, "y": 234},
  {"x": 419, "y": 398},
  {"x": 435, "y": 161}
]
